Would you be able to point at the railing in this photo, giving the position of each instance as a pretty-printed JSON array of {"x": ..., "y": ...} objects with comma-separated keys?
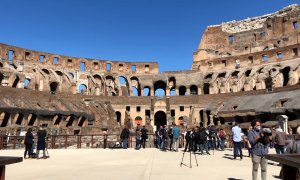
[{"x": 77, "y": 141}]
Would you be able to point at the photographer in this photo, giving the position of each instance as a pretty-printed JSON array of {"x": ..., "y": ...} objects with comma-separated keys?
[{"x": 259, "y": 139}]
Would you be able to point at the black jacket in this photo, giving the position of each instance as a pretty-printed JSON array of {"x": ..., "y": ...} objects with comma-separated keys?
[
  {"x": 125, "y": 133},
  {"x": 29, "y": 138}
]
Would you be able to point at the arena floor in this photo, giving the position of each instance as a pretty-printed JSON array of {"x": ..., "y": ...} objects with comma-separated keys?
[{"x": 150, "y": 164}]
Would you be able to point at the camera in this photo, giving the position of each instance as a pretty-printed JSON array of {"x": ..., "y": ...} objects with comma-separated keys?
[{"x": 266, "y": 131}]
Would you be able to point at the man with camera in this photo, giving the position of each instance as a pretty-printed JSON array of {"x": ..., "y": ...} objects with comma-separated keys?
[{"x": 259, "y": 139}]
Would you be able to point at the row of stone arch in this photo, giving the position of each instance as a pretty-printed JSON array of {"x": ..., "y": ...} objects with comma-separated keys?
[{"x": 8, "y": 119}]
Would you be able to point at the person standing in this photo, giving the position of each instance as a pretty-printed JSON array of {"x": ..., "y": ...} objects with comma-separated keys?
[
  {"x": 237, "y": 141},
  {"x": 28, "y": 143},
  {"x": 222, "y": 137},
  {"x": 176, "y": 135},
  {"x": 124, "y": 137},
  {"x": 260, "y": 144},
  {"x": 280, "y": 140},
  {"x": 41, "y": 142},
  {"x": 144, "y": 132},
  {"x": 104, "y": 139}
]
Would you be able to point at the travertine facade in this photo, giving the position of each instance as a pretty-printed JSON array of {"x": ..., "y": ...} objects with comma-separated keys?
[{"x": 78, "y": 95}]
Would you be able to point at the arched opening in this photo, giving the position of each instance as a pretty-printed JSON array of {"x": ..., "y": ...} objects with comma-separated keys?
[
  {"x": 118, "y": 117},
  {"x": 69, "y": 121},
  {"x": 208, "y": 76},
  {"x": 182, "y": 91},
  {"x": 82, "y": 89},
  {"x": 285, "y": 72},
  {"x": 146, "y": 91},
  {"x": 46, "y": 71},
  {"x": 59, "y": 73},
  {"x": 208, "y": 118},
  {"x": 194, "y": 90},
  {"x": 26, "y": 83},
  {"x": 81, "y": 121},
  {"x": 31, "y": 119},
  {"x": 1, "y": 78},
  {"x": 57, "y": 119},
  {"x": 135, "y": 91},
  {"x": 206, "y": 88},
  {"x": 248, "y": 72},
  {"x": 173, "y": 92},
  {"x": 160, "y": 88},
  {"x": 160, "y": 119},
  {"x": 19, "y": 119},
  {"x": 4, "y": 119},
  {"x": 222, "y": 75},
  {"x": 16, "y": 82},
  {"x": 201, "y": 112},
  {"x": 53, "y": 87},
  {"x": 71, "y": 75},
  {"x": 124, "y": 85}
]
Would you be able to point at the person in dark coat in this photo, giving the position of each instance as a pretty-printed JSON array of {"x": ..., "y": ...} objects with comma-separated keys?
[
  {"x": 144, "y": 132},
  {"x": 124, "y": 137},
  {"x": 41, "y": 143},
  {"x": 28, "y": 143}
]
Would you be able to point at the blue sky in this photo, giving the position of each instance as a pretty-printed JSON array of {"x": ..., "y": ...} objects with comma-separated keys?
[{"x": 165, "y": 31}]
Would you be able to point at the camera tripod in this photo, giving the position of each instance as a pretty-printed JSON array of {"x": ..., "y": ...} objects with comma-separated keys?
[{"x": 190, "y": 158}]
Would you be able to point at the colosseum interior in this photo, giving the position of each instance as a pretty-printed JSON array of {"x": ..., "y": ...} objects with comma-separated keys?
[{"x": 241, "y": 70}]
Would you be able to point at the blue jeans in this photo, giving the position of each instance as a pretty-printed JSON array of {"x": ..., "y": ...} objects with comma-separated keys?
[
  {"x": 279, "y": 149},
  {"x": 222, "y": 142},
  {"x": 125, "y": 143},
  {"x": 237, "y": 146}
]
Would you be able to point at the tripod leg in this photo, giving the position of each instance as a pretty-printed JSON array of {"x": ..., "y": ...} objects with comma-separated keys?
[
  {"x": 182, "y": 158},
  {"x": 196, "y": 158},
  {"x": 190, "y": 159}
]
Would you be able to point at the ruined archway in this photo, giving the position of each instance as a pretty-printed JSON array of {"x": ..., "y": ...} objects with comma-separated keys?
[
  {"x": 56, "y": 120},
  {"x": 54, "y": 87},
  {"x": 147, "y": 91},
  {"x": 82, "y": 89},
  {"x": 18, "y": 118},
  {"x": 26, "y": 83},
  {"x": 4, "y": 119},
  {"x": 206, "y": 88},
  {"x": 194, "y": 90},
  {"x": 118, "y": 117},
  {"x": 70, "y": 120},
  {"x": 31, "y": 119},
  {"x": 124, "y": 85},
  {"x": 182, "y": 91},
  {"x": 160, "y": 88},
  {"x": 285, "y": 72},
  {"x": 82, "y": 121},
  {"x": 160, "y": 119}
]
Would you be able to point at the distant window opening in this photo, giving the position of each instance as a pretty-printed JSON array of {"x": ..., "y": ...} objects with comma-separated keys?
[
  {"x": 250, "y": 58},
  {"x": 82, "y": 66},
  {"x": 210, "y": 64},
  {"x": 181, "y": 108},
  {"x": 55, "y": 60},
  {"x": 138, "y": 109},
  {"x": 231, "y": 38},
  {"x": 121, "y": 67},
  {"x": 71, "y": 75},
  {"x": 209, "y": 76},
  {"x": 224, "y": 63},
  {"x": 108, "y": 67},
  {"x": 53, "y": 87},
  {"x": 147, "y": 113},
  {"x": 10, "y": 55},
  {"x": 285, "y": 73},
  {"x": 128, "y": 108},
  {"x": 46, "y": 71},
  {"x": 135, "y": 91},
  {"x": 264, "y": 58},
  {"x": 27, "y": 55},
  {"x": 248, "y": 73},
  {"x": 172, "y": 112},
  {"x": 147, "y": 68},
  {"x": 269, "y": 26},
  {"x": 160, "y": 92},
  {"x": 278, "y": 42},
  {"x": 118, "y": 115},
  {"x": 235, "y": 74},
  {"x": 70, "y": 62},
  {"x": 234, "y": 107},
  {"x": 82, "y": 89},
  {"x": 81, "y": 121},
  {"x": 194, "y": 90},
  {"x": 173, "y": 92},
  {"x": 42, "y": 58},
  {"x": 19, "y": 119},
  {"x": 160, "y": 88},
  {"x": 279, "y": 55},
  {"x": 96, "y": 65},
  {"x": 222, "y": 75},
  {"x": 133, "y": 68},
  {"x": 146, "y": 91},
  {"x": 206, "y": 88},
  {"x": 182, "y": 90},
  {"x": 295, "y": 24},
  {"x": 70, "y": 120},
  {"x": 26, "y": 83},
  {"x": 295, "y": 51}
]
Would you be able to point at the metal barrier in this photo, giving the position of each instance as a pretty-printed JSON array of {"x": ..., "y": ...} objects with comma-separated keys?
[{"x": 78, "y": 141}]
